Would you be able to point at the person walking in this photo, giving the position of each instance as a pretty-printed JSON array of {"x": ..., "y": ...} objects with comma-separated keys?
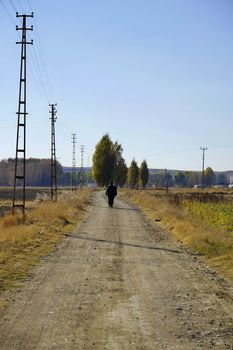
[{"x": 111, "y": 192}]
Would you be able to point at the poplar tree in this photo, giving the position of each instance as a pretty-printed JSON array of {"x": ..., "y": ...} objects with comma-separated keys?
[
  {"x": 104, "y": 161},
  {"x": 209, "y": 176},
  {"x": 133, "y": 174},
  {"x": 120, "y": 173},
  {"x": 144, "y": 174}
]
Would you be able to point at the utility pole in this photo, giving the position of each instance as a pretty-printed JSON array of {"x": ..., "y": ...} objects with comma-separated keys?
[
  {"x": 203, "y": 149},
  {"x": 82, "y": 148},
  {"x": 20, "y": 154},
  {"x": 74, "y": 173},
  {"x": 53, "y": 153}
]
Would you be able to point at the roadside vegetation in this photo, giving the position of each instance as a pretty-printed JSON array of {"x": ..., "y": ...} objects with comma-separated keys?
[
  {"x": 26, "y": 238},
  {"x": 201, "y": 221}
]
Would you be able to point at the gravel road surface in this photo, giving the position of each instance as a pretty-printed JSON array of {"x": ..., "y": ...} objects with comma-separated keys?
[{"x": 119, "y": 282}]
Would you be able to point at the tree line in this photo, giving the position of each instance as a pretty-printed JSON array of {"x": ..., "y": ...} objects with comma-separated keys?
[
  {"x": 187, "y": 178},
  {"x": 38, "y": 171},
  {"x": 109, "y": 165}
]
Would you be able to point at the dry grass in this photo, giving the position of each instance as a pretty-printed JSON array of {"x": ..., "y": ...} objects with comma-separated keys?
[
  {"x": 24, "y": 239},
  {"x": 214, "y": 242}
]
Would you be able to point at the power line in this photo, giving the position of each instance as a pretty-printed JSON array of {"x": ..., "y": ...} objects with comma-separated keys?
[
  {"x": 20, "y": 6},
  {"x": 36, "y": 57},
  {"x": 161, "y": 154},
  {"x": 29, "y": 5},
  {"x": 8, "y": 12},
  {"x": 41, "y": 54},
  {"x": 64, "y": 126},
  {"x": 43, "y": 98},
  {"x": 42, "y": 59},
  {"x": 13, "y": 5},
  {"x": 34, "y": 60},
  {"x": 12, "y": 114},
  {"x": 62, "y": 130}
]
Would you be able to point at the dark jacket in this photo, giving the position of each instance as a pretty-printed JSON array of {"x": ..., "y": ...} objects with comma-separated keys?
[{"x": 111, "y": 191}]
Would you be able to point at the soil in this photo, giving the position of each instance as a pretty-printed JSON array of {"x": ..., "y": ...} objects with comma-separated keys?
[{"x": 119, "y": 282}]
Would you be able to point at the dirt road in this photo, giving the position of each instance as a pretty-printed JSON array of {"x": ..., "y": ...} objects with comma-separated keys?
[{"x": 119, "y": 283}]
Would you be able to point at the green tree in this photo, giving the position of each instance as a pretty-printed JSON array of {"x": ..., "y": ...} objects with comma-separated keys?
[
  {"x": 133, "y": 174},
  {"x": 193, "y": 178},
  {"x": 104, "y": 161},
  {"x": 209, "y": 176},
  {"x": 180, "y": 179},
  {"x": 120, "y": 172},
  {"x": 144, "y": 174}
]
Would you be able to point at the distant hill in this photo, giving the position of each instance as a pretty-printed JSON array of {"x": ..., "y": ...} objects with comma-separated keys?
[
  {"x": 228, "y": 173},
  {"x": 69, "y": 169}
]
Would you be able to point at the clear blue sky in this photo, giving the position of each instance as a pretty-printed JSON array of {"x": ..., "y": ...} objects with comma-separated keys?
[{"x": 157, "y": 75}]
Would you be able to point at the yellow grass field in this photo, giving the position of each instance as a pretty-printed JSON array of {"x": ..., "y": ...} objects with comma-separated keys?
[
  {"x": 24, "y": 239},
  {"x": 201, "y": 221}
]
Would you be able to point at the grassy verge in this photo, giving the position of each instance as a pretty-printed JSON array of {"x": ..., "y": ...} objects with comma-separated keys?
[
  {"x": 204, "y": 223},
  {"x": 24, "y": 239}
]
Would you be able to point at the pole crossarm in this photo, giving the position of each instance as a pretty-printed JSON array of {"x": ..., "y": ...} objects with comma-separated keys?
[
  {"x": 25, "y": 42},
  {"x": 24, "y": 15},
  {"x": 17, "y": 28}
]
